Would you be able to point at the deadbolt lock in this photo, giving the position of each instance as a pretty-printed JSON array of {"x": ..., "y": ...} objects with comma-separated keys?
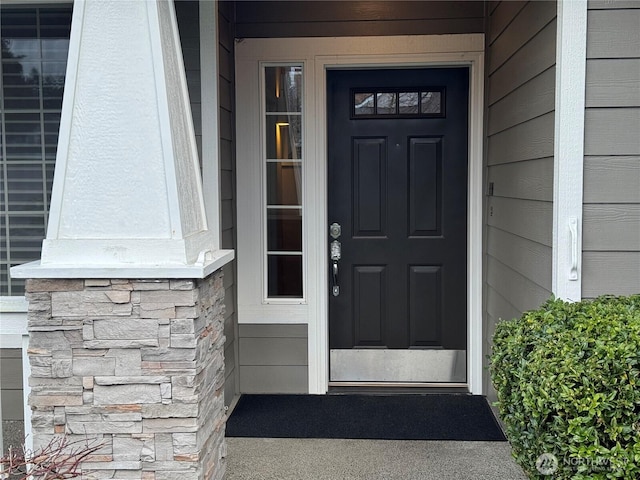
[{"x": 335, "y": 230}]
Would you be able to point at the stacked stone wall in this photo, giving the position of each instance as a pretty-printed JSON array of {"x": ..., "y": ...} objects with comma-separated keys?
[{"x": 135, "y": 365}]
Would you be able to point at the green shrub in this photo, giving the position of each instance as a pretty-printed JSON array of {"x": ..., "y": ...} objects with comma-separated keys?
[{"x": 568, "y": 384}]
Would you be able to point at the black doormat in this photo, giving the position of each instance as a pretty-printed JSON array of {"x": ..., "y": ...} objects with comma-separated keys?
[{"x": 385, "y": 417}]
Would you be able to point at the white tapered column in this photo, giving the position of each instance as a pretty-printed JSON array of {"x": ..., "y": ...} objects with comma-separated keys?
[{"x": 127, "y": 189}]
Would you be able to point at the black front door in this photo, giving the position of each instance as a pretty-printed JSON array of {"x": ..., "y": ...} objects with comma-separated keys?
[{"x": 398, "y": 154}]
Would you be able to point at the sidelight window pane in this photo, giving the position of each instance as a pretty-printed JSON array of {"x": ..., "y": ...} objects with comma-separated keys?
[
  {"x": 284, "y": 230},
  {"x": 284, "y": 137},
  {"x": 284, "y": 184},
  {"x": 285, "y": 276},
  {"x": 283, "y": 88},
  {"x": 283, "y": 163}
]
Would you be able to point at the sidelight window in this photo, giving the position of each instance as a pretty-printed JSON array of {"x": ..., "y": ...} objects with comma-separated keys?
[{"x": 282, "y": 181}]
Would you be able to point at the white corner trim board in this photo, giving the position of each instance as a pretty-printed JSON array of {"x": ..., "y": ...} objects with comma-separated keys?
[
  {"x": 317, "y": 55},
  {"x": 571, "y": 56}
]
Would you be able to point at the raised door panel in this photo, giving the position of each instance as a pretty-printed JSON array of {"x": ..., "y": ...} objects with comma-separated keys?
[{"x": 425, "y": 186}]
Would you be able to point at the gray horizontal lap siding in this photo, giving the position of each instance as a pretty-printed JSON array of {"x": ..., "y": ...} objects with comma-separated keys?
[
  {"x": 520, "y": 83},
  {"x": 11, "y": 398},
  {"x": 611, "y": 226},
  {"x": 273, "y": 358},
  {"x": 11, "y": 383}
]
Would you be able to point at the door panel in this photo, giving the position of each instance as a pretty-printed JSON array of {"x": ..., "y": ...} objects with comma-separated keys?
[
  {"x": 370, "y": 312},
  {"x": 425, "y": 186},
  {"x": 370, "y": 196},
  {"x": 398, "y": 188},
  {"x": 425, "y": 293}
]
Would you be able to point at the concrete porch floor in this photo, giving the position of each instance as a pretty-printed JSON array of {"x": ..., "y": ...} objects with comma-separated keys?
[{"x": 324, "y": 459}]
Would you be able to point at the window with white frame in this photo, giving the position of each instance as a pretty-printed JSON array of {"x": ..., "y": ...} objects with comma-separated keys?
[
  {"x": 35, "y": 43},
  {"x": 283, "y": 180}
]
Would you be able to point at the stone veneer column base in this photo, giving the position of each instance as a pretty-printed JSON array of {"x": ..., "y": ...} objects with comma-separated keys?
[{"x": 136, "y": 365}]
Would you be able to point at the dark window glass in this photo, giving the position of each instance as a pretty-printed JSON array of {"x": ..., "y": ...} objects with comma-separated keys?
[
  {"x": 283, "y": 179},
  {"x": 386, "y": 103},
  {"x": 283, "y": 89},
  {"x": 284, "y": 137},
  {"x": 35, "y": 43},
  {"x": 285, "y": 276},
  {"x": 284, "y": 230},
  {"x": 408, "y": 102},
  {"x": 431, "y": 102},
  {"x": 284, "y": 183},
  {"x": 364, "y": 103},
  {"x": 401, "y": 103}
]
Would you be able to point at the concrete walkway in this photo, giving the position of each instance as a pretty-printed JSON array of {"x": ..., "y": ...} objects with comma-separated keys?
[{"x": 322, "y": 459}]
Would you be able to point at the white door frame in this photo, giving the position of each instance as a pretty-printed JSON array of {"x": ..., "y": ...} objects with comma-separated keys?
[{"x": 317, "y": 55}]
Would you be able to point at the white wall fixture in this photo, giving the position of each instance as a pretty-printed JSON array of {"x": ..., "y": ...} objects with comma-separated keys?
[{"x": 127, "y": 190}]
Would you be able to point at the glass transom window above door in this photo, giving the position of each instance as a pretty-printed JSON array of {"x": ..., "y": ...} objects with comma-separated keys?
[{"x": 282, "y": 181}]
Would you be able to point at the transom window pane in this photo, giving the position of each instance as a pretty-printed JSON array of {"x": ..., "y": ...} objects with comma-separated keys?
[
  {"x": 364, "y": 103},
  {"x": 283, "y": 160},
  {"x": 408, "y": 102},
  {"x": 402, "y": 103},
  {"x": 431, "y": 102},
  {"x": 386, "y": 104}
]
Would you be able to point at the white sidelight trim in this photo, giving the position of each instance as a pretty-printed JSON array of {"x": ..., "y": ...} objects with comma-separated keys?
[
  {"x": 571, "y": 53},
  {"x": 475, "y": 225},
  {"x": 317, "y": 55},
  {"x": 210, "y": 116}
]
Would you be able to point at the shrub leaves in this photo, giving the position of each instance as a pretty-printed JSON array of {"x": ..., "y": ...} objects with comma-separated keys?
[{"x": 567, "y": 378}]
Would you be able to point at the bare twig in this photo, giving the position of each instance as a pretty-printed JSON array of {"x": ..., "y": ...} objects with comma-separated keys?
[{"x": 60, "y": 459}]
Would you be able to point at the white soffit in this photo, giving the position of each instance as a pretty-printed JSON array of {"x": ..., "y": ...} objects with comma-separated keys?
[{"x": 127, "y": 189}]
